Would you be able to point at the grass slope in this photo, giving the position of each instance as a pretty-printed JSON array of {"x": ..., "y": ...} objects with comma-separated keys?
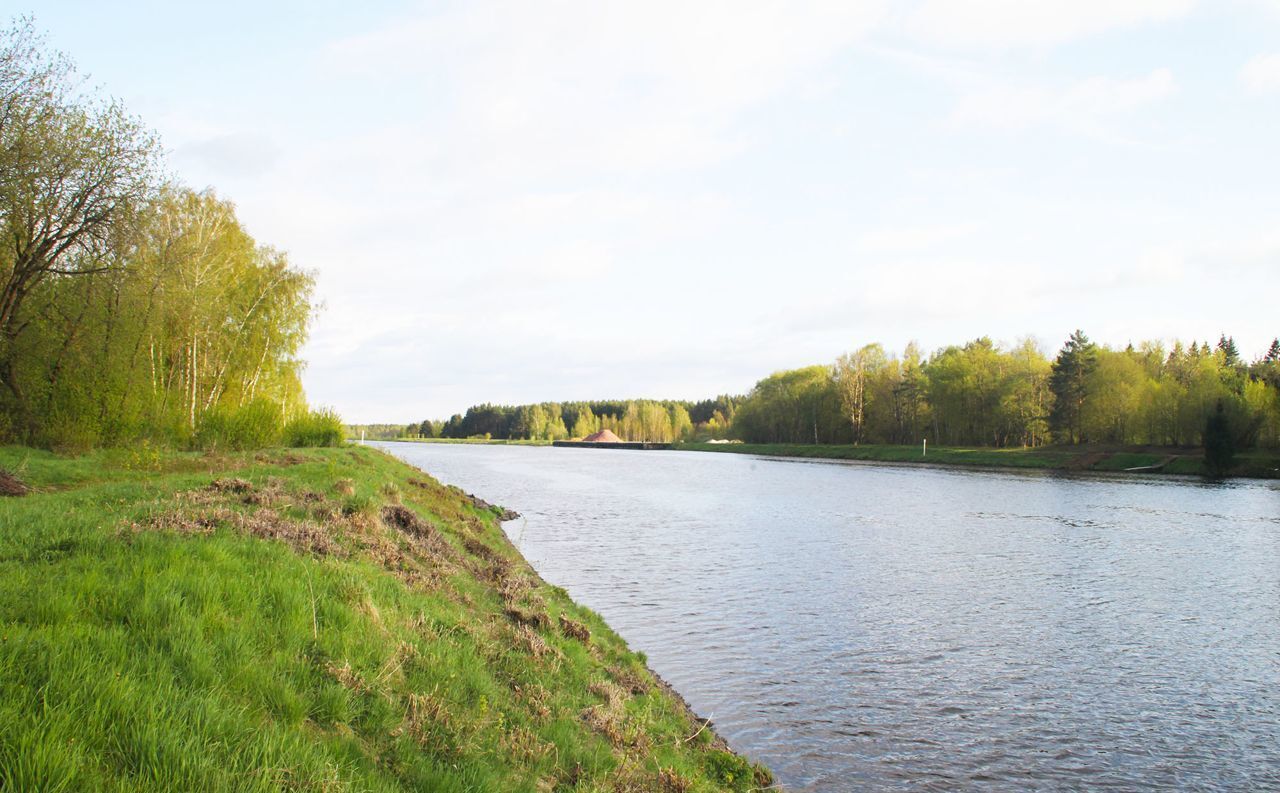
[
  {"x": 474, "y": 441},
  {"x": 1261, "y": 464},
  {"x": 322, "y": 620}
]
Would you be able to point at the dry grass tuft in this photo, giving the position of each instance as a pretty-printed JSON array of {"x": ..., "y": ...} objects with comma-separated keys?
[
  {"x": 182, "y": 521},
  {"x": 203, "y": 511},
  {"x": 532, "y": 617},
  {"x": 574, "y": 629},
  {"x": 533, "y": 642},
  {"x": 390, "y": 491},
  {"x": 671, "y": 782},
  {"x": 536, "y": 699},
  {"x": 272, "y": 492},
  {"x": 404, "y": 520},
  {"x": 231, "y": 484},
  {"x": 424, "y": 712},
  {"x": 285, "y": 459},
  {"x": 347, "y": 677},
  {"x": 514, "y": 587},
  {"x": 613, "y": 696},
  {"x": 606, "y": 722},
  {"x": 344, "y": 487},
  {"x": 524, "y": 745},
  {"x": 11, "y": 485},
  {"x": 302, "y": 535},
  {"x": 430, "y": 545},
  {"x": 630, "y": 680}
]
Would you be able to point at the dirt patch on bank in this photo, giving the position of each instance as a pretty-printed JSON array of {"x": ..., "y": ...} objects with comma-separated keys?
[
  {"x": 1086, "y": 461},
  {"x": 12, "y": 486}
]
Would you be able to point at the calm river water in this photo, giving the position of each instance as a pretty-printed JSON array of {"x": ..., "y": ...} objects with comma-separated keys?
[{"x": 875, "y": 627}]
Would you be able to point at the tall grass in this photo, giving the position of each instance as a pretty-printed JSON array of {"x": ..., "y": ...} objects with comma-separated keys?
[
  {"x": 321, "y": 427},
  {"x": 254, "y": 425}
]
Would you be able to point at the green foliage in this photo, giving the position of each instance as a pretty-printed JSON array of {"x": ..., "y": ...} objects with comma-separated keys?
[
  {"x": 982, "y": 394},
  {"x": 129, "y": 308},
  {"x": 632, "y": 420},
  {"x": 314, "y": 428},
  {"x": 794, "y": 406}
]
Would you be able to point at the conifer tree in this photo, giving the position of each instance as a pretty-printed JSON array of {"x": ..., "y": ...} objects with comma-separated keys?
[
  {"x": 1273, "y": 353},
  {"x": 1069, "y": 384},
  {"x": 1219, "y": 445},
  {"x": 1227, "y": 346}
]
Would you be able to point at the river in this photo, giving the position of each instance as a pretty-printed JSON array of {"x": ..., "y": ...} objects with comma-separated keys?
[{"x": 859, "y": 626}]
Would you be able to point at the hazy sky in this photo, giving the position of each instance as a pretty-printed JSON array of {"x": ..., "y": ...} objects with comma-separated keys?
[{"x": 523, "y": 201}]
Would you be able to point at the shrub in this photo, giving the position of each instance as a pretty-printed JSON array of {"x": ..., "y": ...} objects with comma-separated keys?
[
  {"x": 251, "y": 426},
  {"x": 315, "y": 428}
]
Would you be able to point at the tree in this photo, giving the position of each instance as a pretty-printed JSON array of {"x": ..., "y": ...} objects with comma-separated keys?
[
  {"x": 226, "y": 315},
  {"x": 72, "y": 172},
  {"x": 1219, "y": 445},
  {"x": 794, "y": 406},
  {"x": 681, "y": 423},
  {"x": 1273, "y": 352},
  {"x": 851, "y": 375},
  {"x": 1069, "y": 383},
  {"x": 1227, "y": 346},
  {"x": 586, "y": 423},
  {"x": 908, "y": 398},
  {"x": 1024, "y": 404}
]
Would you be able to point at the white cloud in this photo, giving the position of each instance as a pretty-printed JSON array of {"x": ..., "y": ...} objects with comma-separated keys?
[
  {"x": 1014, "y": 24},
  {"x": 913, "y": 238},
  {"x": 234, "y": 155},
  {"x": 1084, "y": 106},
  {"x": 1261, "y": 74},
  {"x": 624, "y": 87}
]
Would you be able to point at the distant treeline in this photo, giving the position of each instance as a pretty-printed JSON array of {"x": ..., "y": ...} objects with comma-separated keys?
[
  {"x": 982, "y": 394},
  {"x": 977, "y": 394},
  {"x": 131, "y": 307},
  {"x": 632, "y": 420}
]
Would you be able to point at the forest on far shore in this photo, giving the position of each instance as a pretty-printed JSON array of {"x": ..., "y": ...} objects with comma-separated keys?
[{"x": 976, "y": 394}]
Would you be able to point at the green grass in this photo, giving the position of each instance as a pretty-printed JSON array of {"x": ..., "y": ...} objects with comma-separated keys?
[
  {"x": 1020, "y": 458},
  {"x": 1262, "y": 464},
  {"x": 293, "y": 629},
  {"x": 481, "y": 441}
]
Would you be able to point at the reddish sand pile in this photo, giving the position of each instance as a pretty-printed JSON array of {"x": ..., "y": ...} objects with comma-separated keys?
[{"x": 603, "y": 436}]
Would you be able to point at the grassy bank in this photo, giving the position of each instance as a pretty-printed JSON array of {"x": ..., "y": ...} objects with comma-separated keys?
[
  {"x": 479, "y": 441},
  {"x": 322, "y": 619},
  {"x": 1261, "y": 464}
]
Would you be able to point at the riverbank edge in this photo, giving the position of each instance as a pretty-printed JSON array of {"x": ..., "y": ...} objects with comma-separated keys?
[
  {"x": 462, "y": 441},
  {"x": 1109, "y": 460},
  {"x": 168, "y": 483}
]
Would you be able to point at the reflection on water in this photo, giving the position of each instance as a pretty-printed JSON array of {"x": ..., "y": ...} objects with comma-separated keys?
[{"x": 859, "y": 626}]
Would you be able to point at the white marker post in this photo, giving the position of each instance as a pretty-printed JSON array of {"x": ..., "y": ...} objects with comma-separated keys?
[
  {"x": 924, "y": 447},
  {"x": 362, "y": 436}
]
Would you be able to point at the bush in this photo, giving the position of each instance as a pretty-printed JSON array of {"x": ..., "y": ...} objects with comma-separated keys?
[
  {"x": 252, "y": 426},
  {"x": 315, "y": 428}
]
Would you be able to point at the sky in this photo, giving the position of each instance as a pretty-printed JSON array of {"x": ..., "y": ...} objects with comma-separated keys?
[{"x": 579, "y": 199}]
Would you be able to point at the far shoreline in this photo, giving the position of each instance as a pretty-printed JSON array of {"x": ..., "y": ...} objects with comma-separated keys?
[{"x": 1143, "y": 460}]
